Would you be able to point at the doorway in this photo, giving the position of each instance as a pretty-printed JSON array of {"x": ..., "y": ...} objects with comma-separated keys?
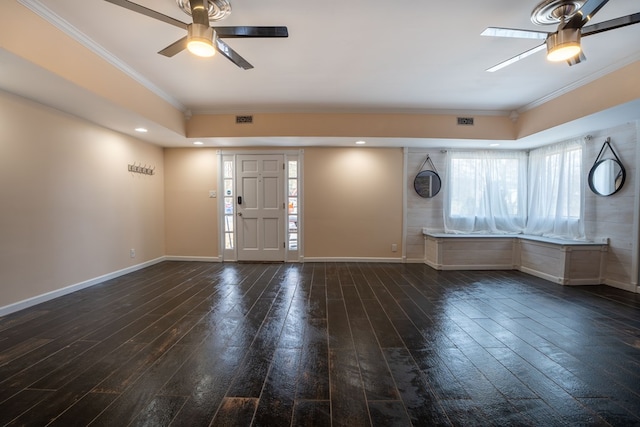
[{"x": 260, "y": 208}]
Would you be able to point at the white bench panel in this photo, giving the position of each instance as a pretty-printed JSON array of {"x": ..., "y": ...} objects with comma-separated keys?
[{"x": 561, "y": 261}]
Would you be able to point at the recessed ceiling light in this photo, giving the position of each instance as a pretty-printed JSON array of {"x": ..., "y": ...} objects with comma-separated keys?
[
  {"x": 141, "y": 130},
  {"x": 494, "y": 145},
  {"x": 198, "y": 143},
  {"x": 361, "y": 142}
]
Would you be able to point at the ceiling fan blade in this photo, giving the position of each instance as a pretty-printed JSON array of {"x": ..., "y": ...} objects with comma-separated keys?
[
  {"x": 514, "y": 33},
  {"x": 584, "y": 15},
  {"x": 517, "y": 58},
  {"x": 232, "y": 55},
  {"x": 577, "y": 59},
  {"x": 174, "y": 48},
  {"x": 235, "y": 32},
  {"x": 611, "y": 24},
  {"x": 148, "y": 12}
]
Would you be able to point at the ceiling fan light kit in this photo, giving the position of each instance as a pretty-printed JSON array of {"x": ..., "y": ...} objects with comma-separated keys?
[
  {"x": 200, "y": 40},
  {"x": 563, "y": 45}
]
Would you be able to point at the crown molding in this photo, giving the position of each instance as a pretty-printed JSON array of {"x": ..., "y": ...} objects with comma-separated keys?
[
  {"x": 328, "y": 110},
  {"x": 579, "y": 83},
  {"x": 44, "y": 12}
]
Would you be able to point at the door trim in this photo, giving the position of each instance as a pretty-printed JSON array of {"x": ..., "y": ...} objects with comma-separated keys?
[{"x": 231, "y": 255}]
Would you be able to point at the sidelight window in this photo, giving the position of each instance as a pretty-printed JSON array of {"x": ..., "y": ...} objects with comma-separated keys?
[
  {"x": 229, "y": 206},
  {"x": 292, "y": 204}
]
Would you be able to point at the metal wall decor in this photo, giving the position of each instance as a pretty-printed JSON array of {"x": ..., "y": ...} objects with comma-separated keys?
[
  {"x": 145, "y": 170},
  {"x": 607, "y": 175},
  {"x": 427, "y": 182}
]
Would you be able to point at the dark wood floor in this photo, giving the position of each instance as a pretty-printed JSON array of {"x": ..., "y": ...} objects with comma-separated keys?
[{"x": 189, "y": 344}]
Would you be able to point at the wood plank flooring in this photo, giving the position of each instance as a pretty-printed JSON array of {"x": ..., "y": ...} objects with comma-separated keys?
[{"x": 323, "y": 344}]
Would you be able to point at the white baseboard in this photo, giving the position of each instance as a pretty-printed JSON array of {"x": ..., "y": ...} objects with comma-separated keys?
[
  {"x": 584, "y": 282},
  {"x": 29, "y": 302},
  {"x": 349, "y": 259},
  {"x": 433, "y": 265},
  {"x": 469, "y": 267},
  {"x": 193, "y": 258},
  {"x": 542, "y": 275},
  {"x": 621, "y": 285}
]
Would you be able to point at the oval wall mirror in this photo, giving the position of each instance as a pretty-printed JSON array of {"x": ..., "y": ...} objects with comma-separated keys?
[
  {"x": 606, "y": 177},
  {"x": 427, "y": 183}
]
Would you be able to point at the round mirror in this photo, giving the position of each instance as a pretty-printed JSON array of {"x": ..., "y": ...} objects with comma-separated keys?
[
  {"x": 427, "y": 184},
  {"x": 606, "y": 177}
]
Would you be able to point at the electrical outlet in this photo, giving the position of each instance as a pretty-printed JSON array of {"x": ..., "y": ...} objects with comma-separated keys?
[
  {"x": 132, "y": 253},
  {"x": 394, "y": 247},
  {"x": 213, "y": 194}
]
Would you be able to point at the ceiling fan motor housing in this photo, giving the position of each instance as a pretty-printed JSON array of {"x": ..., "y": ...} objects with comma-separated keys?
[{"x": 563, "y": 44}]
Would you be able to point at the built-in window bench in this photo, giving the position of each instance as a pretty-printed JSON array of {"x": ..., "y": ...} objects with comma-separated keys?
[{"x": 567, "y": 262}]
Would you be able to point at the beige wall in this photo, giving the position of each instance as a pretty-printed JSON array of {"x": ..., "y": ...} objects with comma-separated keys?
[
  {"x": 71, "y": 211},
  {"x": 191, "y": 226},
  {"x": 351, "y": 125},
  {"x": 352, "y": 202},
  {"x": 49, "y": 48},
  {"x": 616, "y": 88}
]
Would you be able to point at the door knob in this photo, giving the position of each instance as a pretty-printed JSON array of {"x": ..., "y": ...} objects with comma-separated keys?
[{"x": 239, "y": 213}]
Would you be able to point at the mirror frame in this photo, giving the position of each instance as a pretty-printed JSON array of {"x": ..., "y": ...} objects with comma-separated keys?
[
  {"x": 420, "y": 190},
  {"x": 593, "y": 171}
]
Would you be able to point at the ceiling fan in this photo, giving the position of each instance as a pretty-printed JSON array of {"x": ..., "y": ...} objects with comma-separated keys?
[
  {"x": 202, "y": 39},
  {"x": 564, "y": 43}
]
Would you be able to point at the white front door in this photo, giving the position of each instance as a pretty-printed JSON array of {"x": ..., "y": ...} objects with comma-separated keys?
[{"x": 260, "y": 207}]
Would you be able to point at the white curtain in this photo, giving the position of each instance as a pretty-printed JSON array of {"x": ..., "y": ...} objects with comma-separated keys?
[
  {"x": 485, "y": 192},
  {"x": 556, "y": 199}
]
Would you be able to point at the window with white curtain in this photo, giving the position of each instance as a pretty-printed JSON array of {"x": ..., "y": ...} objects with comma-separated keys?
[
  {"x": 485, "y": 192},
  {"x": 512, "y": 192},
  {"x": 556, "y": 197}
]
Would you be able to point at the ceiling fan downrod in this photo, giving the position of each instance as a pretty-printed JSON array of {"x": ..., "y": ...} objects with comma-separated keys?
[{"x": 216, "y": 9}]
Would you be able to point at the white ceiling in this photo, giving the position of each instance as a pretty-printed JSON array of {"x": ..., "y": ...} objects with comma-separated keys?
[{"x": 351, "y": 56}]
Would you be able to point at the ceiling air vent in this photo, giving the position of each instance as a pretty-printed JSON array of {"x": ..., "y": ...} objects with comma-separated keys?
[
  {"x": 465, "y": 121},
  {"x": 244, "y": 119}
]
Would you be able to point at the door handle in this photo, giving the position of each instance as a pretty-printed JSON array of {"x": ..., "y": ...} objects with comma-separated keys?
[
  {"x": 239, "y": 200},
  {"x": 239, "y": 213}
]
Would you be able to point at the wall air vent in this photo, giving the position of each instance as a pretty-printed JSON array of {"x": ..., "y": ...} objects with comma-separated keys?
[
  {"x": 465, "y": 121},
  {"x": 244, "y": 119}
]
